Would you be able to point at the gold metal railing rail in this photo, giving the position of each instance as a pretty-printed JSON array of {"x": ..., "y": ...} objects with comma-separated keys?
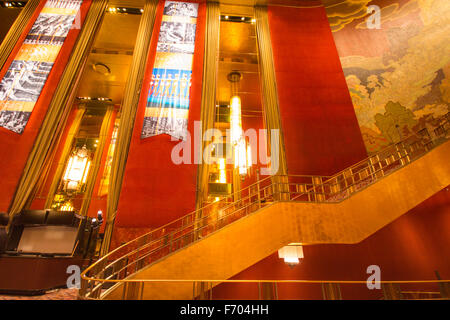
[
  {"x": 279, "y": 289},
  {"x": 149, "y": 248}
]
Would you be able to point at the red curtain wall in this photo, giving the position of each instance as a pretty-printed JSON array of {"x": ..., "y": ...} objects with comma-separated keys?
[
  {"x": 155, "y": 191},
  {"x": 15, "y": 148},
  {"x": 321, "y": 132}
]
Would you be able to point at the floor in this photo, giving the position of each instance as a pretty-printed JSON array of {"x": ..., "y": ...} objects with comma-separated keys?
[{"x": 60, "y": 294}]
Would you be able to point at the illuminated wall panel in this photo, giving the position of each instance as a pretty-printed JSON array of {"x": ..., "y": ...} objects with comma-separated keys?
[{"x": 167, "y": 107}]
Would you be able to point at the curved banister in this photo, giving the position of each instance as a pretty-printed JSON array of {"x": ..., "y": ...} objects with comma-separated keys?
[{"x": 150, "y": 247}]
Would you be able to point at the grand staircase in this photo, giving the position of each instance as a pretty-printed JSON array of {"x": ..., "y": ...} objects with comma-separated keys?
[{"x": 223, "y": 238}]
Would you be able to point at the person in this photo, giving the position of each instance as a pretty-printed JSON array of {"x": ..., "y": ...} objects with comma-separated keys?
[{"x": 4, "y": 219}]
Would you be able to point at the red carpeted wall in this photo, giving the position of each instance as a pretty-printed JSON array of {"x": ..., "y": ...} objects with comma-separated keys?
[
  {"x": 15, "y": 148},
  {"x": 321, "y": 132}
]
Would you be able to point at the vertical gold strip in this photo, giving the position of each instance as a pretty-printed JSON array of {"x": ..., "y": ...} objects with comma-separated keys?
[
  {"x": 127, "y": 118},
  {"x": 64, "y": 155},
  {"x": 59, "y": 108},
  {"x": 269, "y": 82},
  {"x": 97, "y": 161},
  {"x": 16, "y": 30},
  {"x": 270, "y": 98},
  {"x": 208, "y": 103}
]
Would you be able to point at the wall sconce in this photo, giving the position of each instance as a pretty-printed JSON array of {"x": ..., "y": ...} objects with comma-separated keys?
[
  {"x": 291, "y": 254},
  {"x": 77, "y": 170}
]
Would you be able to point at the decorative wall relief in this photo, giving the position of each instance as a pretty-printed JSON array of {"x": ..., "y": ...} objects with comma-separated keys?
[{"x": 398, "y": 74}]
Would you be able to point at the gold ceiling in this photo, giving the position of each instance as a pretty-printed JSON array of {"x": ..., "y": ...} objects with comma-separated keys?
[
  {"x": 114, "y": 46},
  {"x": 238, "y": 52}
]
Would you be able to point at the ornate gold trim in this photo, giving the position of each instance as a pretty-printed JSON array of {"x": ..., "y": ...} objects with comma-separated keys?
[{"x": 128, "y": 115}]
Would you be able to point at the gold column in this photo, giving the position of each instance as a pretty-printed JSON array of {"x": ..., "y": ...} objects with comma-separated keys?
[
  {"x": 127, "y": 118},
  {"x": 64, "y": 155},
  {"x": 269, "y": 90},
  {"x": 16, "y": 30},
  {"x": 208, "y": 103},
  {"x": 59, "y": 107},
  {"x": 96, "y": 162}
]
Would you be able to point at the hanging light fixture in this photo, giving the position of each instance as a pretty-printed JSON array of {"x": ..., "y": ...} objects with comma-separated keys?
[
  {"x": 222, "y": 172},
  {"x": 242, "y": 151},
  {"x": 291, "y": 254},
  {"x": 77, "y": 170}
]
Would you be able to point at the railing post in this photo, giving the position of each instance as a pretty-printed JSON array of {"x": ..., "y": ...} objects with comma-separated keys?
[
  {"x": 444, "y": 287},
  {"x": 391, "y": 291},
  {"x": 170, "y": 241},
  {"x": 285, "y": 188},
  {"x": 124, "y": 292},
  {"x": 318, "y": 188},
  {"x": 258, "y": 188},
  {"x": 268, "y": 291},
  {"x": 141, "y": 296},
  {"x": 331, "y": 291}
]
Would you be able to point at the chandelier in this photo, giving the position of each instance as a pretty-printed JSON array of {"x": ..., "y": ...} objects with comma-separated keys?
[
  {"x": 241, "y": 149},
  {"x": 77, "y": 170}
]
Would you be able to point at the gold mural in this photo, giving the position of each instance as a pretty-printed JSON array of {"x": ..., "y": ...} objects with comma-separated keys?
[{"x": 398, "y": 73}]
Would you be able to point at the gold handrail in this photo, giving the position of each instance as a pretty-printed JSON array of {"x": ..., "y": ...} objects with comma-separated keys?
[
  {"x": 210, "y": 284},
  {"x": 158, "y": 243}
]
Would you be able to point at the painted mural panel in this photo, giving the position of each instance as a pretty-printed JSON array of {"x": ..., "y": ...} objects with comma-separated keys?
[
  {"x": 397, "y": 71},
  {"x": 167, "y": 107},
  {"x": 25, "y": 78}
]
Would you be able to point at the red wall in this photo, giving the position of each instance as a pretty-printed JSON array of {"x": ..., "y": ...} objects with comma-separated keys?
[
  {"x": 14, "y": 148},
  {"x": 321, "y": 132},
  {"x": 155, "y": 191},
  {"x": 410, "y": 248}
]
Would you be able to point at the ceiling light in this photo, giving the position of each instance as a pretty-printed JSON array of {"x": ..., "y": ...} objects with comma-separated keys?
[{"x": 101, "y": 68}]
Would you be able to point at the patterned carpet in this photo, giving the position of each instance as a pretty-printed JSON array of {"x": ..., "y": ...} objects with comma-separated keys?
[{"x": 60, "y": 294}]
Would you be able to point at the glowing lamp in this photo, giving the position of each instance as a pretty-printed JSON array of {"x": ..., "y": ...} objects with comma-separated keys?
[
  {"x": 77, "y": 170},
  {"x": 240, "y": 160},
  {"x": 67, "y": 207},
  {"x": 242, "y": 152},
  {"x": 222, "y": 172},
  {"x": 236, "y": 120},
  {"x": 291, "y": 254}
]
